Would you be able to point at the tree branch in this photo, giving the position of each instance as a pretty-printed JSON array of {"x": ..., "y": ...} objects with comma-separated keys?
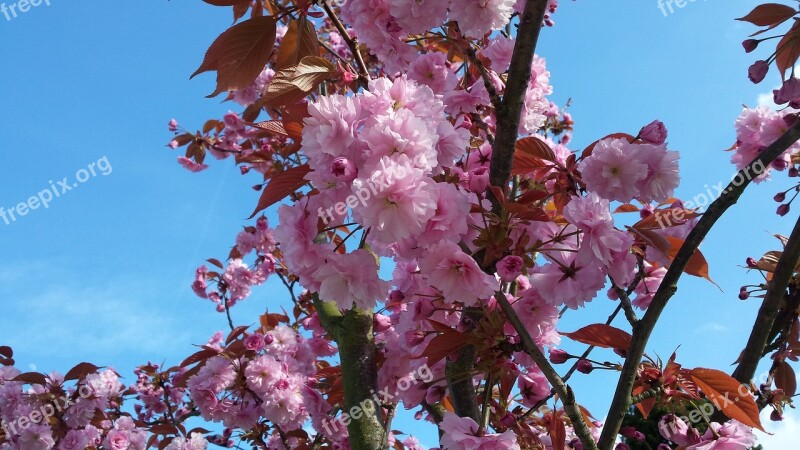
[
  {"x": 519, "y": 76},
  {"x": 352, "y": 331},
  {"x": 776, "y": 293},
  {"x": 669, "y": 285},
  {"x": 352, "y": 43},
  {"x": 564, "y": 392}
]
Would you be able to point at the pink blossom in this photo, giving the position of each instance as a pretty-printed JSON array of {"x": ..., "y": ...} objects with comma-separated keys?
[
  {"x": 433, "y": 70},
  {"x": 350, "y": 279},
  {"x": 399, "y": 202},
  {"x": 509, "y": 268},
  {"x": 419, "y": 16},
  {"x": 460, "y": 434},
  {"x": 457, "y": 274},
  {"x": 533, "y": 386},
  {"x": 612, "y": 171},
  {"x": 499, "y": 52},
  {"x": 565, "y": 281},
  {"x": 647, "y": 288},
  {"x": 662, "y": 172},
  {"x": 478, "y": 17},
  {"x": 190, "y": 165}
]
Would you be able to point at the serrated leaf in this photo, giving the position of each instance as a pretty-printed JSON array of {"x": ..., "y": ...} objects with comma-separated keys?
[
  {"x": 300, "y": 41},
  {"x": 80, "y": 371},
  {"x": 280, "y": 186},
  {"x": 723, "y": 391},
  {"x": 601, "y": 335},
  {"x": 769, "y": 14},
  {"x": 240, "y": 54},
  {"x": 31, "y": 378}
]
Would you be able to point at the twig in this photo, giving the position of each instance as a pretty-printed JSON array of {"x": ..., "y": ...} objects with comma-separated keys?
[
  {"x": 363, "y": 72},
  {"x": 564, "y": 392}
]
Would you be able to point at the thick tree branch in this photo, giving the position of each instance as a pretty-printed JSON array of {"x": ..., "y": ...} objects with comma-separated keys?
[
  {"x": 519, "y": 76},
  {"x": 669, "y": 285},
  {"x": 564, "y": 392},
  {"x": 776, "y": 292},
  {"x": 352, "y": 331}
]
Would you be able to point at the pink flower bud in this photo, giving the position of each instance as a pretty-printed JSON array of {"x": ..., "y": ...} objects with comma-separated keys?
[
  {"x": 758, "y": 71},
  {"x": 751, "y": 262},
  {"x": 750, "y": 45},
  {"x": 173, "y": 125},
  {"x": 780, "y": 197},
  {"x": 654, "y": 133},
  {"x": 783, "y": 209},
  {"x": 381, "y": 322},
  {"x": 558, "y": 356},
  {"x": 585, "y": 366}
]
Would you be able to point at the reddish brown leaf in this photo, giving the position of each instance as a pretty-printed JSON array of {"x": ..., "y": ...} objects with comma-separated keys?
[
  {"x": 770, "y": 14},
  {"x": 665, "y": 218},
  {"x": 240, "y": 54},
  {"x": 280, "y": 186},
  {"x": 557, "y": 432},
  {"x": 216, "y": 262},
  {"x": 293, "y": 83},
  {"x": 697, "y": 266},
  {"x": 626, "y": 208},
  {"x": 601, "y": 335},
  {"x": 272, "y": 126},
  {"x": 235, "y": 333},
  {"x": 202, "y": 355},
  {"x": 644, "y": 406},
  {"x": 6, "y": 351},
  {"x": 788, "y": 49},
  {"x": 535, "y": 147},
  {"x": 31, "y": 378},
  {"x": 724, "y": 392},
  {"x": 444, "y": 345},
  {"x": 786, "y": 379},
  {"x": 80, "y": 371},
  {"x": 300, "y": 41}
]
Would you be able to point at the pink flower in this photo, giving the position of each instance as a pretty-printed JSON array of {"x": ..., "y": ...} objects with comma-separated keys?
[
  {"x": 399, "y": 200},
  {"x": 419, "y": 16},
  {"x": 37, "y": 437},
  {"x": 733, "y": 435},
  {"x": 331, "y": 125},
  {"x": 565, "y": 281},
  {"x": 612, "y": 170},
  {"x": 254, "y": 342},
  {"x": 533, "y": 386},
  {"x": 662, "y": 172},
  {"x": 499, "y": 51},
  {"x": 432, "y": 69},
  {"x": 350, "y": 279},
  {"x": 457, "y": 274},
  {"x": 190, "y": 165},
  {"x": 509, "y": 268},
  {"x": 400, "y": 133},
  {"x": 478, "y": 17},
  {"x": 600, "y": 240},
  {"x": 173, "y": 125},
  {"x": 459, "y": 433},
  {"x": 647, "y": 288}
]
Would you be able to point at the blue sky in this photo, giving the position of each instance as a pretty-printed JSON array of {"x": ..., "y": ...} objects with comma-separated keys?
[{"x": 102, "y": 274}]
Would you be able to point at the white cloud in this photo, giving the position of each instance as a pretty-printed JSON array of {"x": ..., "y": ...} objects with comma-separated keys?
[
  {"x": 786, "y": 434},
  {"x": 711, "y": 327},
  {"x": 106, "y": 321}
]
